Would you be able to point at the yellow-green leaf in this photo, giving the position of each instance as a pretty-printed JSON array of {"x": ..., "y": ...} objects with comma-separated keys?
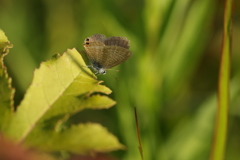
[
  {"x": 80, "y": 139},
  {"x": 6, "y": 90},
  {"x": 61, "y": 87}
]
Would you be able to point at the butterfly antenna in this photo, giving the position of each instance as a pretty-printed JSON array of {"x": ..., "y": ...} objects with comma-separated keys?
[
  {"x": 114, "y": 70},
  {"x": 113, "y": 76},
  {"x": 138, "y": 133}
]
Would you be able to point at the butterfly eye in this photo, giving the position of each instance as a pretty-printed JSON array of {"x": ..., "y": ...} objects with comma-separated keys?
[{"x": 87, "y": 39}]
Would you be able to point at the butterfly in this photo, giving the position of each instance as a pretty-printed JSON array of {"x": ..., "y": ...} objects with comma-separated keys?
[{"x": 105, "y": 53}]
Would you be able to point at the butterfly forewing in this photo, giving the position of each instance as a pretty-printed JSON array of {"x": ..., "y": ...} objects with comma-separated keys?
[
  {"x": 95, "y": 38},
  {"x": 94, "y": 51}
]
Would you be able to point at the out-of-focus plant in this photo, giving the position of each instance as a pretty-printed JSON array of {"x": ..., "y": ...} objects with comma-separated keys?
[{"x": 221, "y": 124}]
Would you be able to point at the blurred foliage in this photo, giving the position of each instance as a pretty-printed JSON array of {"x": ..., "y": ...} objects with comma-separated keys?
[{"x": 171, "y": 77}]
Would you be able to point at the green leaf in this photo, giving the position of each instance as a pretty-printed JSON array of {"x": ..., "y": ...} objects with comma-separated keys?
[
  {"x": 6, "y": 90},
  {"x": 81, "y": 139},
  {"x": 61, "y": 87}
]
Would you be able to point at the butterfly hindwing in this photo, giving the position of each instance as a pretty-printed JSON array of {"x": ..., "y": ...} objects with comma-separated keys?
[
  {"x": 114, "y": 55},
  {"x": 117, "y": 41}
]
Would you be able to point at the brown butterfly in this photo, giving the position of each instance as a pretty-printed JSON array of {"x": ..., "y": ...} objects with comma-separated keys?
[{"x": 105, "y": 53}]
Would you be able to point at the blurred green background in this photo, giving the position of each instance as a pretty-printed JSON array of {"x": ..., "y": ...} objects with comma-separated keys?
[{"x": 171, "y": 77}]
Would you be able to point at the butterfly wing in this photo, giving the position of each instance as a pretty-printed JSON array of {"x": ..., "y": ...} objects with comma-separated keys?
[
  {"x": 114, "y": 55},
  {"x": 94, "y": 51},
  {"x": 115, "y": 52},
  {"x": 95, "y": 38},
  {"x": 107, "y": 52},
  {"x": 117, "y": 41},
  {"x": 94, "y": 47}
]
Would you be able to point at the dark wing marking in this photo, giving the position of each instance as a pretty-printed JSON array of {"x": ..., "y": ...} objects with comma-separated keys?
[
  {"x": 117, "y": 41},
  {"x": 95, "y": 38}
]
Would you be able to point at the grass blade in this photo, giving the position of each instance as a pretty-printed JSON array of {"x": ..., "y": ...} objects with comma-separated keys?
[{"x": 219, "y": 141}]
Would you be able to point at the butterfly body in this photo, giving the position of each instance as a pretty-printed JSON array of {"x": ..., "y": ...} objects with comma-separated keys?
[{"x": 105, "y": 53}]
